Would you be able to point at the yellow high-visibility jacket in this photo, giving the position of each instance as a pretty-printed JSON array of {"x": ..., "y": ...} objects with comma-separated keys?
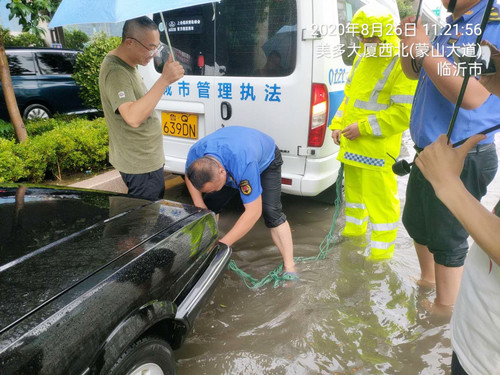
[{"x": 378, "y": 96}]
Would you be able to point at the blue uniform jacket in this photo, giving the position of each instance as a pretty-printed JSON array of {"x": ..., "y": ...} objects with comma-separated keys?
[
  {"x": 243, "y": 152},
  {"x": 431, "y": 112}
]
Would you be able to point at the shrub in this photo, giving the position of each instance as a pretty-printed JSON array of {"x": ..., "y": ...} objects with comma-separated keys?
[
  {"x": 21, "y": 40},
  {"x": 11, "y": 165},
  {"x": 33, "y": 127},
  {"x": 37, "y": 126},
  {"x": 6, "y": 129},
  {"x": 75, "y": 39},
  {"x": 88, "y": 65},
  {"x": 73, "y": 147}
]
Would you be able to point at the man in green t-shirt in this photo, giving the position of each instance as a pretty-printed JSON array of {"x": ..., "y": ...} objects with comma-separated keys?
[{"x": 135, "y": 135}]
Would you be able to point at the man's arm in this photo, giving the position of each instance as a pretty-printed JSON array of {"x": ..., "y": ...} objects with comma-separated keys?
[
  {"x": 492, "y": 82},
  {"x": 449, "y": 86},
  {"x": 135, "y": 113},
  {"x": 195, "y": 194},
  {"x": 246, "y": 221},
  {"x": 441, "y": 165}
]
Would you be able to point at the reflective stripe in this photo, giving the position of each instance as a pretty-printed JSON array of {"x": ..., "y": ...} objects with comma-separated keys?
[
  {"x": 388, "y": 226},
  {"x": 364, "y": 159},
  {"x": 402, "y": 99},
  {"x": 381, "y": 245},
  {"x": 370, "y": 106},
  {"x": 356, "y": 221},
  {"x": 381, "y": 83},
  {"x": 372, "y": 120},
  {"x": 339, "y": 113},
  {"x": 355, "y": 205},
  {"x": 352, "y": 71}
]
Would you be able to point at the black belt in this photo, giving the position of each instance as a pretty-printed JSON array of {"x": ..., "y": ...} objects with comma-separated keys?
[{"x": 475, "y": 149}]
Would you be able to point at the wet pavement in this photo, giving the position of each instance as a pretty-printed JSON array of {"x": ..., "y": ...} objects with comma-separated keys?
[{"x": 345, "y": 316}]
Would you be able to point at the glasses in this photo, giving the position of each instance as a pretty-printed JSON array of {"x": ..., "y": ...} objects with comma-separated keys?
[{"x": 152, "y": 52}]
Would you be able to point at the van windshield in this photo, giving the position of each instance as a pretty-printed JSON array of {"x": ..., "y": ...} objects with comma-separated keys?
[{"x": 233, "y": 38}]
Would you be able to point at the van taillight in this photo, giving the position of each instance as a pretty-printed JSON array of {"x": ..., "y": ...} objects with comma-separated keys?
[{"x": 319, "y": 115}]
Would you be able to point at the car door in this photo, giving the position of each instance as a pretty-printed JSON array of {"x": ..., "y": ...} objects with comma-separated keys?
[
  {"x": 56, "y": 85},
  {"x": 265, "y": 80},
  {"x": 24, "y": 80},
  {"x": 187, "y": 106},
  {"x": 242, "y": 68}
]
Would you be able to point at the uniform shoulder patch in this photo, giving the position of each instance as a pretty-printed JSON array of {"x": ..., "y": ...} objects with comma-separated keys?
[
  {"x": 245, "y": 187},
  {"x": 494, "y": 15}
]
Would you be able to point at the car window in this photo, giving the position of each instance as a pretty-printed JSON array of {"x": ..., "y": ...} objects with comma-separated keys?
[
  {"x": 55, "y": 63},
  {"x": 21, "y": 63},
  {"x": 233, "y": 38}
]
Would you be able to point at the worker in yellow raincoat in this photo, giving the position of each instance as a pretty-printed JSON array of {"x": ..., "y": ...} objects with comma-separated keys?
[{"x": 368, "y": 126}]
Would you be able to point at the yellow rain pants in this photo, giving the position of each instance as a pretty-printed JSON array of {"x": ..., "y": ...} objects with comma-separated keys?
[{"x": 372, "y": 195}]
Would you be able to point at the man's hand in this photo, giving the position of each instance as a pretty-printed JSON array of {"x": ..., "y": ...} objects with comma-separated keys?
[
  {"x": 492, "y": 82},
  {"x": 441, "y": 164},
  {"x": 172, "y": 71},
  {"x": 336, "y": 136},
  {"x": 351, "y": 132}
]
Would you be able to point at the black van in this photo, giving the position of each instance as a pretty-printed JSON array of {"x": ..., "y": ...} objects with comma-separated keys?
[{"x": 42, "y": 82}]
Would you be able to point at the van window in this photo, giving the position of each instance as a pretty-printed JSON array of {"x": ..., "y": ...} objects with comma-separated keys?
[
  {"x": 347, "y": 9},
  {"x": 55, "y": 63},
  {"x": 234, "y": 38},
  {"x": 21, "y": 63}
]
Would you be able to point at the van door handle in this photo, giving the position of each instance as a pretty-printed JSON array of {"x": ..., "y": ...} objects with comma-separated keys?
[{"x": 225, "y": 110}]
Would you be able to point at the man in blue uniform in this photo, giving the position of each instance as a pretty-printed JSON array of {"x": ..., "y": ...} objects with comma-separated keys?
[
  {"x": 241, "y": 159},
  {"x": 440, "y": 240}
]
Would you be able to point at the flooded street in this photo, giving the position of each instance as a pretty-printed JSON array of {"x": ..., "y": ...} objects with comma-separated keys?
[{"x": 345, "y": 316}]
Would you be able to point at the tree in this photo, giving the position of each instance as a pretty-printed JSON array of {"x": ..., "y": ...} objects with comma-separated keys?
[
  {"x": 405, "y": 8},
  {"x": 75, "y": 39},
  {"x": 29, "y": 13}
]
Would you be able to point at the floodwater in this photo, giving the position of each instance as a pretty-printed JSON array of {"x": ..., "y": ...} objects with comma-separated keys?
[{"x": 345, "y": 316}]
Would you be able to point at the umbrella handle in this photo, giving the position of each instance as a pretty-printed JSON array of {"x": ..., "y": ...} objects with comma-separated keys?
[{"x": 168, "y": 39}]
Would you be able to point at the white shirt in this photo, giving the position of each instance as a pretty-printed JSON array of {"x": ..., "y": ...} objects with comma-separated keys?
[{"x": 475, "y": 324}]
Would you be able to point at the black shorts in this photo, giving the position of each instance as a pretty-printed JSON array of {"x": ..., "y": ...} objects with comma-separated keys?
[
  {"x": 270, "y": 180},
  {"x": 145, "y": 185},
  {"x": 427, "y": 219}
]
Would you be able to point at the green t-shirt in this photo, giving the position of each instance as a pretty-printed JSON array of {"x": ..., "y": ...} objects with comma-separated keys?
[{"x": 131, "y": 150}]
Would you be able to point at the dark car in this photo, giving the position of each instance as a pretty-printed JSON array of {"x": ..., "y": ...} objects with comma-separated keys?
[
  {"x": 100, "y": 283},
  {"x": 42, "y": 82}
]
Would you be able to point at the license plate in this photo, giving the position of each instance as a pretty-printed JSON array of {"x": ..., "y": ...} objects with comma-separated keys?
[{"x": 184, "y": 125}]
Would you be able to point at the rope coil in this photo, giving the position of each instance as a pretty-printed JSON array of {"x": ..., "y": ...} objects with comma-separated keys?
[{"x": 276, "y": 276}]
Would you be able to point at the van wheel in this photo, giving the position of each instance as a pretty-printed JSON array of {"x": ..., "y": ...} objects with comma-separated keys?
[
  {"x": 149, "y": 355},
  {"x": 328, "y": 196},
  {"x": 36, "y": 111}
]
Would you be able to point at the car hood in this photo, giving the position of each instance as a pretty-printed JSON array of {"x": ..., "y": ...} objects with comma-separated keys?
[{"x": 52, "y": 239}]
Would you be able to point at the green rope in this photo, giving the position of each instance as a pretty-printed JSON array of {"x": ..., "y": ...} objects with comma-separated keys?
[{"x": 276, "y": 276}]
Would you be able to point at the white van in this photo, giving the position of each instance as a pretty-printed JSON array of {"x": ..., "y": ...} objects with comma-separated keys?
[{"x": 279, "y": 66}]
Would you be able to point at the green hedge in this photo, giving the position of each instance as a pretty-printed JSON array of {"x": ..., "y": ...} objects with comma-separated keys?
[
  {"x": 68, "y": 147},
  {"x": 37, "y": 126}
]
